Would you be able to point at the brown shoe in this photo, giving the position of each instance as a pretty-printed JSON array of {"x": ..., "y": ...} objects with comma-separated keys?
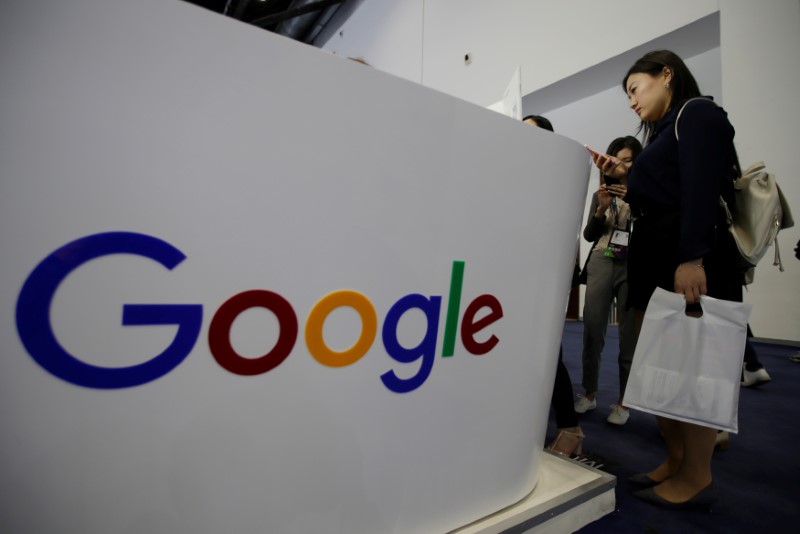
[{"x": 568, "y": 442}]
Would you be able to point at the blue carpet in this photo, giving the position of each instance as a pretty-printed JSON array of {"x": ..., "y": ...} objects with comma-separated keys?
[{"x": 757, "y": 477}]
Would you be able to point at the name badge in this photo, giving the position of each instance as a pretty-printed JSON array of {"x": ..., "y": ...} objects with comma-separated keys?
[
  {"x": 620, "y": 237},
  {"x": 618, "y": 245}
]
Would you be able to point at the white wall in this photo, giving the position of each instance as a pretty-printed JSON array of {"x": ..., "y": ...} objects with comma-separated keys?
[
  {"x": 388, "y": 35},
  {"x": 760, "y": 77},
  {"x": 554, "y": 42},
  {"x": 542, "y": 36}
]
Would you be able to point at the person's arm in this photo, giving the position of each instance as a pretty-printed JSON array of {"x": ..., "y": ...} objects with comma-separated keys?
[
  {"x": 704, "y": 157},
  {"x": 609, "y": 166},
  {"x": 595, "y": 223},
  {"x": 690, "y": 280},
  {"x": 704, "y": 154}
]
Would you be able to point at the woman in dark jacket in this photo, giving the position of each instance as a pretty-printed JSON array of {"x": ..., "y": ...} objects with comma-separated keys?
[{"x": 679, "y": 241}]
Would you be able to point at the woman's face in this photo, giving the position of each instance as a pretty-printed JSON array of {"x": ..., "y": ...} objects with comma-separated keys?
[
  {"x": 649, "y": 95},
  {"x": 625, "y": 156}
]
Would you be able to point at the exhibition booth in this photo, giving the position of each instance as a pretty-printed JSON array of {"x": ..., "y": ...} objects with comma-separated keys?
[{"x": 251, "y": 286}]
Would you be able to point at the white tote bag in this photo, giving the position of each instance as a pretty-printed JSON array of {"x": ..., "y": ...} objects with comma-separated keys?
[{"x": 689, "y": 368}]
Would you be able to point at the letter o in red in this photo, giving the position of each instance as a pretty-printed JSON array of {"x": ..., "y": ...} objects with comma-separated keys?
[{"x": 219, "y": 332}]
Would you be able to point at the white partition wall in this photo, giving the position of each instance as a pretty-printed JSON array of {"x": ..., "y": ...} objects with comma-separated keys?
[
  {"x": 249, "y": 286},
  {"x": 567, "y": 47}
]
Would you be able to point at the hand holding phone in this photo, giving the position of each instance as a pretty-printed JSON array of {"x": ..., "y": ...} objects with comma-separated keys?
[
  {"x": 592, "y": 151},
  {"x": 608, "y": 165},
  {"x": 600, "y": 158}
]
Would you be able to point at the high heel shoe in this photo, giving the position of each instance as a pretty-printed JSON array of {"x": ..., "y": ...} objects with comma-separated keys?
[
  {"x": 568, "y": 442},
  {"x": 641, "y": 479},
  {"x": 704, "y": 499}
]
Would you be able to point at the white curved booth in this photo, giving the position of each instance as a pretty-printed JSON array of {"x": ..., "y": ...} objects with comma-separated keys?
[{"x": 253, "y": 287}]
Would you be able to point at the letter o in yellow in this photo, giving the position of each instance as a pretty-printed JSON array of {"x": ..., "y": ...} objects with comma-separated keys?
[{"x": 316, "y": 319}]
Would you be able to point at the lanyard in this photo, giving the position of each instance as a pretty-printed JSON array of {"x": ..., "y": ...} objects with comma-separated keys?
[{"x": 615, "y": 211}]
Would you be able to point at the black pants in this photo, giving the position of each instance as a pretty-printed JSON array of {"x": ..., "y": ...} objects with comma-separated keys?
[
  {"x": 563, "y": 400},
  {"x": 750, "y": 357}
]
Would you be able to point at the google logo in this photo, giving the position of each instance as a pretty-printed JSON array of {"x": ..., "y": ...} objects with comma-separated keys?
[{"x": 36, "y": 333}]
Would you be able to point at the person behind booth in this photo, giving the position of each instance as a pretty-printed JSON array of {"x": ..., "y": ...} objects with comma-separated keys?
[
  {"x": 680, "y": 241},
  {"x": 608, "y": 227},
  {"x": 570, "y": 436}
]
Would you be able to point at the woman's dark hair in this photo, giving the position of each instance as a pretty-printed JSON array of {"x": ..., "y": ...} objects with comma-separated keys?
[
  {"x": 682, "y": 87},
  {"x": 359, "y": 59},
  {"x": 621, "y": 143},
  {"x": 541, "y": 122}
]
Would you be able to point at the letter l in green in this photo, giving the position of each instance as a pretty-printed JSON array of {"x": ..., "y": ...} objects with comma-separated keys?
[{"x": 453, "y": 308}]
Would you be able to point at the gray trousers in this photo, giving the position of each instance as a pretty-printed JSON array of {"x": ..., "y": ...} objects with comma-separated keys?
[{"x": 606, "y": 279}]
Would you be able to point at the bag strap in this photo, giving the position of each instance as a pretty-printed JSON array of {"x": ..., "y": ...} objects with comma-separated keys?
[
  {"x": 758, "y": 166},
  {"x": 684, "y": 107},
  {"x": 752, "y": 168}
]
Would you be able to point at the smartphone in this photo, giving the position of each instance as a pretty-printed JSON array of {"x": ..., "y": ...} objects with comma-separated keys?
[
  {"x": 611, "y": 181},
  {"x": 594, "y": 152}
]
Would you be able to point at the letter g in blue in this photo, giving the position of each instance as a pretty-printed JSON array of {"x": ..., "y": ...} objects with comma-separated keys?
[{"x": 36, "y": 296}]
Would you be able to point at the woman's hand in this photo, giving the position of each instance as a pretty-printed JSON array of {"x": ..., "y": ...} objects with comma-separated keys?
[
  {"x": 690, "y": 280},
  {"x": 604, "y": 195},
  {"x": 603, "y": 202},
  {"x": 617, "y": 190},
  {"x": 609, "y": 166}
]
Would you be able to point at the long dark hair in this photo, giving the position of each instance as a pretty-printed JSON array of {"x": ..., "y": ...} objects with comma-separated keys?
[
  {"x": 682, "y": 87},
  {"x": 621, "y": 143}
]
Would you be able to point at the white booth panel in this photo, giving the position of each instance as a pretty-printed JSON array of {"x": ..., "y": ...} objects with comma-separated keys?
[{"x": 249, "y": 286}]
